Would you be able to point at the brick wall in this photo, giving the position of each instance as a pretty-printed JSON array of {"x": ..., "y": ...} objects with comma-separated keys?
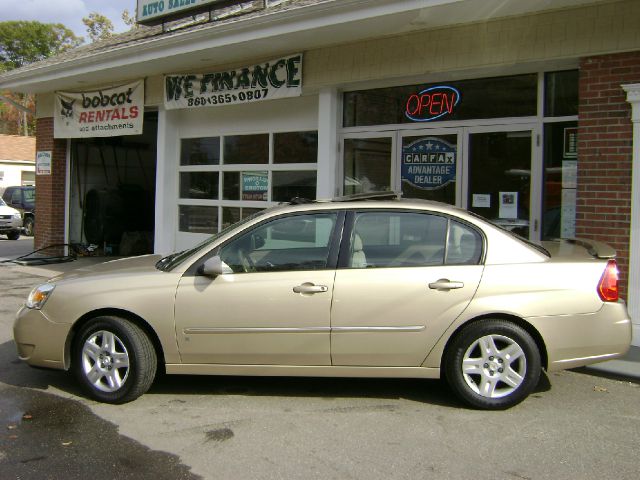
[
  {"x": 50, "y": 197},
  {"x": 605, "y": 153}
]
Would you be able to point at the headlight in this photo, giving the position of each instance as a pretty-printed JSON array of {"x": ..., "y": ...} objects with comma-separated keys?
[
  {"x": 38, "y": 296},
  {"x": 17, "y": 215}
]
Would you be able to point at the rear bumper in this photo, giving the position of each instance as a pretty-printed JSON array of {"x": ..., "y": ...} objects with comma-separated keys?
[{"x": 578, "y": 340}]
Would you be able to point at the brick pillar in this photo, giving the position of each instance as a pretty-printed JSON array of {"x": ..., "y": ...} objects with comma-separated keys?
[
  {"x": 605, "y": 153},
  {"x": 50, "y": 190}
]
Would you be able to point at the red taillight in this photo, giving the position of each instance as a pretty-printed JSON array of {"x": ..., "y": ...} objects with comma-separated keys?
[{"x": 608, "y": 285}]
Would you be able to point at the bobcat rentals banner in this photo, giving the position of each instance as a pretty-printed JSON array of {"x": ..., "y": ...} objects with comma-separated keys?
[
  {"x": 108, "y": 112},
  {"x": 278, "y": 78}
]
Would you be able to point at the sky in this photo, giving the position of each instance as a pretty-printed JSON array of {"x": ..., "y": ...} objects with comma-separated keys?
[{"x": 67, "y": 12}]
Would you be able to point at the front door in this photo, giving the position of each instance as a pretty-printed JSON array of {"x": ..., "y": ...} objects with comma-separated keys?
[
  {"x": 501, "y": 176},
  {"x": 274, "y": 308}
]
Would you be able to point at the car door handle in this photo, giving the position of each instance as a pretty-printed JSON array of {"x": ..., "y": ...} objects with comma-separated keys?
[
  {"x": 445, "y": 284},
  {"x": 309, "y": 287}
]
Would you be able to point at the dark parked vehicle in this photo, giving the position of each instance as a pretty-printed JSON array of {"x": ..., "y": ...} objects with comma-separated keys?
[{"x": 23, "y": 199}]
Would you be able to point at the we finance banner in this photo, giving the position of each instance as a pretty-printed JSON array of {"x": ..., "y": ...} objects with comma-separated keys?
[
  {"x": 277, "y": 78},
  {"x": 106, "y": 112}
]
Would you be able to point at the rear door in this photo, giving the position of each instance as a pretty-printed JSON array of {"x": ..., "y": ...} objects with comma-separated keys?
[{"x": 404, "y": 277}]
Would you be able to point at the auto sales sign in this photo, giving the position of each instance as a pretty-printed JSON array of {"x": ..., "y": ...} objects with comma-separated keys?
[{"x": 107, "y": 112}]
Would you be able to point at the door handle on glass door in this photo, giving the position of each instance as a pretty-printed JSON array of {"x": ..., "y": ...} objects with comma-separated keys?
[
  {"x": 445, "y": 284},
  {"x": 309, "y": 287}
]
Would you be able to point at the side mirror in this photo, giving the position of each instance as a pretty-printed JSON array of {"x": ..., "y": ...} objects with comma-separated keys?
[{"x": 214, "y": 267}]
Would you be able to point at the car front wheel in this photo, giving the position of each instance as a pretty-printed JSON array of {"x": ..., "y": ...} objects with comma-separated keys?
[
  {"x": 13, "y": 235},
  {"x": 492, "y": 364},
  {"x": 114, "y": 359}
]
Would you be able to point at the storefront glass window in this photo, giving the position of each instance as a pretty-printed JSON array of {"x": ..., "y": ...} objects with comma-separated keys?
[
  {"x": 367, "y": 165},
  {"x": 198, "y": 219},
  {"x": 199, "y": 185},
  {"x": 246, "y": 149},
  {"x": 200, "y": 151},
  {"x": 292, "y": 184},
  {"x": 513, "y": 96},
  {"x": 295, "y": 147},
  {"x": 250, "y": 177},
  {"x": 560, "y": 180},
  {"x": 561, "y": 93}
]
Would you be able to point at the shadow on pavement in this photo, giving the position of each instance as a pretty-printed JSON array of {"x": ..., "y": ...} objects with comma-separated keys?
[{"x": 52, "y": 437}]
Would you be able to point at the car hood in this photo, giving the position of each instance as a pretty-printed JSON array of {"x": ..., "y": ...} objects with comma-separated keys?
[
  {"x": 6, "y": 210},
  {"x": 123, "y": 266}
]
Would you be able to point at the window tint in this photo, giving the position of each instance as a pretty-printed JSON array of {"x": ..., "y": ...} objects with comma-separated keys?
[
  {"x": 464, "y": 246},
  {"x": 299, "y": 242},
  {"x": 397, "y": 239}
]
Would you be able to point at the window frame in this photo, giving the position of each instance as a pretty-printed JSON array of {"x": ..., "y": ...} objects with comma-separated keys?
[{"x": 347, "y": 234}]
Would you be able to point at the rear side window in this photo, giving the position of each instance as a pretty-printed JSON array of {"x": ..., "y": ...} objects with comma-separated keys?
[
  {"x": 406, "y": 239},
  {"x": 397, "y": 239},
  {"x": 464, "y": 245}
]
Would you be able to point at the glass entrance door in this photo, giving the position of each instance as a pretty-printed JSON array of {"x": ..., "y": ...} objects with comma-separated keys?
[
  {"x": 367, "y": 162},
  {"x": 500, "y": 177},
  {"x": 429, "y": 164}
]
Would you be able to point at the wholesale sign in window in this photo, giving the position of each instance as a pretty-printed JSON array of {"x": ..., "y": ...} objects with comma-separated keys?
[
  {"x": 270, "y": 80},
  {"x": 106, "y": 112}
]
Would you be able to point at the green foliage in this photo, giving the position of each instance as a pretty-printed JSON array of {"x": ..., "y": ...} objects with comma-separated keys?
[
  {"x": 98, "y": 26},
  {"x": 24, "y": 42}
]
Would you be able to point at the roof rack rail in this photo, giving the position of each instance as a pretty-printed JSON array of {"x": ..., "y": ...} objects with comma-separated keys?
[{"x": 386, "y": 195}]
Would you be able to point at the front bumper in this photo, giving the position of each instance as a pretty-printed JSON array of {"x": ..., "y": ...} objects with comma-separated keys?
[
  {"x": 40, "y": 342},
  {"x": 10, "y": 224}
]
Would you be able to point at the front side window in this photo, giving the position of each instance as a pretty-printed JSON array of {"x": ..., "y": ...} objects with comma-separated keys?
[
  {"x": 405, "y": 239},
  {"x": 298, "y": 242}
]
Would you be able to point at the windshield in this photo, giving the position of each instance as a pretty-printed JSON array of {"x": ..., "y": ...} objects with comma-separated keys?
[
  {"x": 171, "y": 261},
  {"x": 2, "y": 204}
]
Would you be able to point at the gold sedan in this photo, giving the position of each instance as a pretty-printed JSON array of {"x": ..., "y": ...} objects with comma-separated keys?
[{"x": 371, "y": 288}]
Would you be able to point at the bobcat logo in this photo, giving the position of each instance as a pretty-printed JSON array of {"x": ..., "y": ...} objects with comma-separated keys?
[{"x": 67, "y": 108}]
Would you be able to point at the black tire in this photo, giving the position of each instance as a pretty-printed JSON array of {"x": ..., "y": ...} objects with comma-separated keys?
[
  {"x": 14, "y": 235},
  {"x": 500, "y": 374},
  {"x": 96, "y": 362},
  {"x": 28, "y": 226}
]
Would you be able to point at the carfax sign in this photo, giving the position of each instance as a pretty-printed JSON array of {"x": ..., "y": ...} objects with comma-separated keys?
[
  {"x": 429, "y": 163},
  {"x": 278, "y": 78},
  {"x": 107, "y": 112}
]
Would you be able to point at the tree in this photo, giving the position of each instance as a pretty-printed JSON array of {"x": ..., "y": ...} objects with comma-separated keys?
[
  {"x": 129, "y": 20},
  {"x": 98, "y": 26},
  {"x": 21, "y": 43},
  {"x": 24, "y": 42}
]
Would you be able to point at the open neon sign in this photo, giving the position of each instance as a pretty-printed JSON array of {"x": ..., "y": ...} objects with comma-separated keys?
[{"x": 432, "y": 103}]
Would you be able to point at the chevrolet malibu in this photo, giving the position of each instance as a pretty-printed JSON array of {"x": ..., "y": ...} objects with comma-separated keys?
[{"x": 344, "y": 288}]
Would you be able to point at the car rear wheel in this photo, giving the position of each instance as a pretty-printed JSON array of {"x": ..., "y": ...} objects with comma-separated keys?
[
  {"x": 492, "y": 364},
  {"x": 114, "y": 359},
  {"x": 28, "y": 226}
]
